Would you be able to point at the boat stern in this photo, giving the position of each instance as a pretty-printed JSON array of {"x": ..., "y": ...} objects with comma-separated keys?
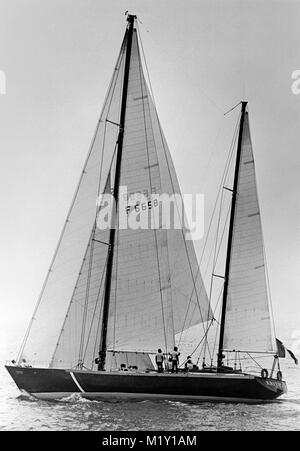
[{"x": 273, "y": 388}]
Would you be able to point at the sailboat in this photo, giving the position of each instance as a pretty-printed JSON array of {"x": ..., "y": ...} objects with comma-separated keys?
[{"x": 114, "y": 295}]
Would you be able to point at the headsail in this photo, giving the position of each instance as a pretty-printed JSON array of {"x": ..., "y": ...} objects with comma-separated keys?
[
  {"x": 79, "y": 334},
  {"x": 248, "y": 325},
  {"x": 156, "y": 288},
  {"x": 44, "y": 329}
]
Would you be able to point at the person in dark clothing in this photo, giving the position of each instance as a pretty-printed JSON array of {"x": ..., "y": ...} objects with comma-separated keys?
[
  {"x": 159, "y": 359},
  {"x": 175, "y": 360}
]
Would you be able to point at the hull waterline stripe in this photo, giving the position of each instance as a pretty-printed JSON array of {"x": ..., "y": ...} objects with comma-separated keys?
[
  {"x": 117, "y": 395},
  {"x": 76, "y": 382}
]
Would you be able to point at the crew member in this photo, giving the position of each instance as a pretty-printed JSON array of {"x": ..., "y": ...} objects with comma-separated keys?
[
  {"x": 175, "y": 360},
  {"x": 189, "y": 366},
  {"x": 159, "y": 359}
]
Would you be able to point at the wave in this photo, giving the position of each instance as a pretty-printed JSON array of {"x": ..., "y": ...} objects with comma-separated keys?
[
  {"x": 291, "y": 401},
  {"x": 76, "y": 398},
  {"x": 25, "y": 396}
]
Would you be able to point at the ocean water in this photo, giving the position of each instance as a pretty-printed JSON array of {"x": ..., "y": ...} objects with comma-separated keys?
[{"x": 20, "y": 412}]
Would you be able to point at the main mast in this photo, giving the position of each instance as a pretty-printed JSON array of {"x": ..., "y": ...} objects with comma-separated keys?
[
  {"x": 230, "y": 235},
  {"x": 112, "y": 236}
]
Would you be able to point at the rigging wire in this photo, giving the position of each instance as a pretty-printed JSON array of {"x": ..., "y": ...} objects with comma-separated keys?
[
  {"x": 184, "y": 240},
  {"x": 233, "y": 108},
  {"x": 216, "y": 334},
  {"x": 163, "y": 144},
  {"x": 82, "y": 352},
  {"x": 98, "y": 329},
  {"x": 154, "y": 229},
  {"x": 62, "y": 234},
  {"x": 95, "y": 309},
  {"x": 199, "y": 88},
  {"x": 215, "y": 257},
  {"x": 225, "y": 175},
  {"x": 87, "y": 293},
  {"x": 173, "y": 190},
  {"x": 211, "y": 354},
  {"x": 269, "y": 291},
  {"x": 111, "y": 90},
  {"x": 213, "y": 270},
  {"x": 218, "y": 248},
  {"x": 254, "y": 360},
  {"x": 220, "y": 190}
]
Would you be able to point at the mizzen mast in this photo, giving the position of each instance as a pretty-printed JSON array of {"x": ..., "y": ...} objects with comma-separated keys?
[{"x": 230, "y": 235}]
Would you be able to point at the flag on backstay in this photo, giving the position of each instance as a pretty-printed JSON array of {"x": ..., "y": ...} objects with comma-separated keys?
[{"x": 281, "y": 351}]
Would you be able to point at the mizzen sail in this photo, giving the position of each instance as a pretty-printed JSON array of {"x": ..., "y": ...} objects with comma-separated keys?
[{"x": 248, "y": 325}]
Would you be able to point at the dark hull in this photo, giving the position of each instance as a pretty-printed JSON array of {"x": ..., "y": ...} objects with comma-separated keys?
[{"x": 59, "y": 383}]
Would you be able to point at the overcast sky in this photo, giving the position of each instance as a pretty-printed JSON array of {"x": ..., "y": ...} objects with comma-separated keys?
[{"x": 203, "y": 58}]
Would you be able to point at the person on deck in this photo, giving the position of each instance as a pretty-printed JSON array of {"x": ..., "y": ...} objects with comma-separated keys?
[
  {"x": 159, "y": 359},
  {"x": 168, "y": 364},
  {"x": 175, "y": 360},
  {"x": 24, "y": 364},
  {"x": 189, "y": 366}
]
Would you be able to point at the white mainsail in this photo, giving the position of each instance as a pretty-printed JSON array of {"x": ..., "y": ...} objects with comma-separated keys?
[
  {"x": 156, "y": 288},
  {"x": 248, "y": 325}
]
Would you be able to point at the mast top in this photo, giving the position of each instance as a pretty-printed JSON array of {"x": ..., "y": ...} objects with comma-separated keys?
[
  {"x": 244, "y": 104},
  {"x": 131, "y": 18},
  {"x": 244, "y": 107}
]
